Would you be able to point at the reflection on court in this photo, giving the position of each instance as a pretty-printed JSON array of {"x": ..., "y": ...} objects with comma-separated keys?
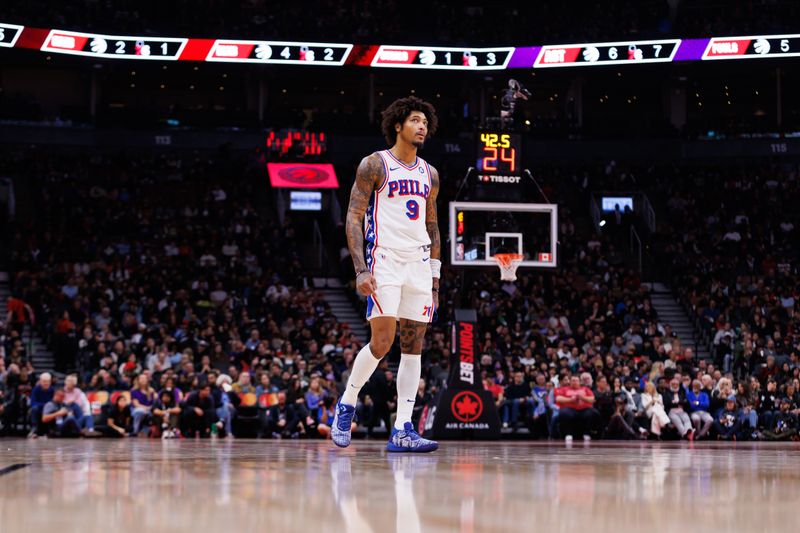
[{"x": 291, "y": 486}]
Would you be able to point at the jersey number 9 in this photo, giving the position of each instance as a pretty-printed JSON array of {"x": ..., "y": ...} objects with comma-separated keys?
[{"x": 413, "y": 209}]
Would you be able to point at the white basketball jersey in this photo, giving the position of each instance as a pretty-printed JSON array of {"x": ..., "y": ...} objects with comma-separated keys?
[{"x": 395, "y": 218}]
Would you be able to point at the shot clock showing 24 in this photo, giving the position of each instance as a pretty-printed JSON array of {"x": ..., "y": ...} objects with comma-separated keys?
[{"x": 499, "y": 156}]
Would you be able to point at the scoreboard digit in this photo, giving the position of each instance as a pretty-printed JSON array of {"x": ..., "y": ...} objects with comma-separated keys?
[{"x": 9, "y": 33}]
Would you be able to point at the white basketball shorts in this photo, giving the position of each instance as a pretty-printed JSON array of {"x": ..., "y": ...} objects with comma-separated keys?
[{"x": 404, "y": 284}]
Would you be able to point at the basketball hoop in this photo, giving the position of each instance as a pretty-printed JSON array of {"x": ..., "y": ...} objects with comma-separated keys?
[{"x": 508, "y": 264}]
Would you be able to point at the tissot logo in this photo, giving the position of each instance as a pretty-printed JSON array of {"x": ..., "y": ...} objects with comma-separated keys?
[
  {"x": 466, "y": 406},
  {"x": 500, "y": 179}
]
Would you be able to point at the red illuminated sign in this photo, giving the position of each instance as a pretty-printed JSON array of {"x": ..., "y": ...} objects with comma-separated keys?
[
  {"x": 728, "y": 47},
  {"x": 302, "y": 176},
  {"x": 466, "y": 406},
  {"x": 297, "y": 142}
]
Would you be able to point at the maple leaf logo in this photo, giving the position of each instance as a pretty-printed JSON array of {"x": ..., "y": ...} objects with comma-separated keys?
[{"x": 466, "y": 406}]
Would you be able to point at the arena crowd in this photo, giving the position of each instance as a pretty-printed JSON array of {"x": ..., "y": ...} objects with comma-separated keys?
[{"x": 177, "y": 308}]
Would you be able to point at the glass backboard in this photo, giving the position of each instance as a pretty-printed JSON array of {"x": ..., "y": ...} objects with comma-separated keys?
[{"x": 478, "y": 230}]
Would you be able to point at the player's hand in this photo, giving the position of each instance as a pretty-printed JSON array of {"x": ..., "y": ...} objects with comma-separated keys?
[
  {"x": 435, "y": 298},
  {"x": 366, "y": 284}
]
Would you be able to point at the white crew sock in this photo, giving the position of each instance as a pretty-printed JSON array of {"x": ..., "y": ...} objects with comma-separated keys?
[
  {"x": 408, "y": 374},
  {"x": 363, "y": 367}
]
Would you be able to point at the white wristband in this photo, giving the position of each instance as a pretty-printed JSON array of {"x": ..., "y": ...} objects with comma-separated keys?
[{"x": 436, "y": 268}]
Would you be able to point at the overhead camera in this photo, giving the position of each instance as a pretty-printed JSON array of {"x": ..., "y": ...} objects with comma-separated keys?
[{"x": 511, "y": 105}]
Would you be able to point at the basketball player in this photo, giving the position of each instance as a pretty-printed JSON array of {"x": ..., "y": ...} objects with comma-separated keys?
[{"x": 393, "y": 208}]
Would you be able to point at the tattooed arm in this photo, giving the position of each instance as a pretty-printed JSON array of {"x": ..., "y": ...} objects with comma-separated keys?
[
  {"x": 432, "y": 221},
  {"x": 369, "y": 176}
]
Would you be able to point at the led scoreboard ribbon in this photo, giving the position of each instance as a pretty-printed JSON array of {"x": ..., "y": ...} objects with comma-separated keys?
[
  {"x": 753, "y": 47},
  {"x": 629, "y": 52},
  {"x": 396, "y": 56},
  {"x": 278, "y": 52},
  {"x": 442, "y": 58},
  {"x": 113, "y": 46},
  {"x": 9, "y": 33}
]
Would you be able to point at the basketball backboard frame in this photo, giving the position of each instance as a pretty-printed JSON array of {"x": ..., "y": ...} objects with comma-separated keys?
[{"x": 552, "y": 209}]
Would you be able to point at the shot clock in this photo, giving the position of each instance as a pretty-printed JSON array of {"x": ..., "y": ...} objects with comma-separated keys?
[{"x": 499, "y": 157}]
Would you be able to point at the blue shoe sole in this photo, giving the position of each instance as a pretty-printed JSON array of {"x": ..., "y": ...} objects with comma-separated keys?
[{"x": 421, "y": 449}]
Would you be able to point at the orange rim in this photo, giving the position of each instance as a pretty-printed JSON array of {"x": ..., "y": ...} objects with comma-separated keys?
[{"x": 505, "y": 260}]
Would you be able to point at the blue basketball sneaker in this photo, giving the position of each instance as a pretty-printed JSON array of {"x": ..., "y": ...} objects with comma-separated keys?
[
  {"x": 340, "y": 431},
  {"x": 409, "y": 441}
]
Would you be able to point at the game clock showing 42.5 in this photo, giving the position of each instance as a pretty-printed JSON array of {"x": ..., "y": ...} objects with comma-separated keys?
[{"x": 499, "y": 153}]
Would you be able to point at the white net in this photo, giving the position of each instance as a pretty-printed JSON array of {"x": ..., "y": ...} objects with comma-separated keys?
[{"x": 508, "y": 264}]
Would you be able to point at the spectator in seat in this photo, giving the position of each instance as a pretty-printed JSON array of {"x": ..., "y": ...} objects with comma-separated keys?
[
  {"x": 143, "y": 397},
  {"x": 169, "y": 386},
  {"x": 698, "y": 409},
  {"x": 576, "y": 413},
  {"x": 244, "y": 384},
  {"x": 677, "y": 408},
  {"x": 226, "y": 400},
  {"x": 517, "y": 400},
  {"x": 41, "y": 394},
  {"x": 634, "y": 399},
  {"x": 727, "y": 423},
  {"x": 58, "y": 420},
  {"x": 605, "y": 402},
  {"x": 315, "y": 394},
  {"x": 744, "y": 402},
  {"x": 497, "y": 392},
  {"x": 617, "y": 427},
  {"x": 199, "y": 412},
  {"x": 538, "y": 406},
  {"x": 653, "y": 404},
  {"x": 79, "y": 403},
  {"x": 720, "y": 394},
  {"x": 786, "y": 424},
  {"x": 166, "y": 415},
  {"x": 768, "y": 405},
  {"x": 264, "y": 385},
  {"x": 18, "y": 312},
  {"x": 118, "y": 418},
  {"x": 282, "y": 419}
]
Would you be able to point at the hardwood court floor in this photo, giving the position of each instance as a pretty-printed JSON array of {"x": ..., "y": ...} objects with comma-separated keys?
[{"x": 275, "y": 486}]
